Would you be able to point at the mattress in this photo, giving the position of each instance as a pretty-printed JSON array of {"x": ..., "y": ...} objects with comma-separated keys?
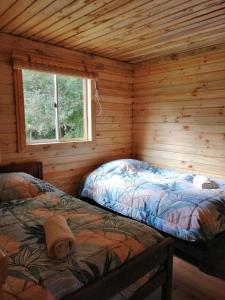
[
  {"x": 103, "y": 241},
  {"x": 162, "y": 198}
]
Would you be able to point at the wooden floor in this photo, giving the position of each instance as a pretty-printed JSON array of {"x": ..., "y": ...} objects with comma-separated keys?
[{"x": 189, "y": 283}]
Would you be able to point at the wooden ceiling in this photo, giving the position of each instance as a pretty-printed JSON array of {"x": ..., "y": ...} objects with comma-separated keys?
[{"x": 126, "y": 30}]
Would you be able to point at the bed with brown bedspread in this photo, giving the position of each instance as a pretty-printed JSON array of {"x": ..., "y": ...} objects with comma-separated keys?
[{"x": 114, "y": 257}]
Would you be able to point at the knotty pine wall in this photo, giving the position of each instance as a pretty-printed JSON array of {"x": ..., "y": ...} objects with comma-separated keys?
[
  {"x": 179, "y": 111},
  {"x": 65, "y": 164}
]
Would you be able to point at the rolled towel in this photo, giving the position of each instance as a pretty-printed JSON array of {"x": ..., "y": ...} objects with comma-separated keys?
[
  {"x": 203, "y": 182},
  {"x": 58, "y": 236}
]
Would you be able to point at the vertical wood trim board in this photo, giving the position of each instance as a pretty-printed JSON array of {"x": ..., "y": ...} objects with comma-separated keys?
[
  {"x": 179, "y": 111},
  {"x": 65, "y": 164}
]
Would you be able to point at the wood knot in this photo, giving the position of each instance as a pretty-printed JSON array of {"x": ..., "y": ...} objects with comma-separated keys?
[{"x": 174, "y": 56}]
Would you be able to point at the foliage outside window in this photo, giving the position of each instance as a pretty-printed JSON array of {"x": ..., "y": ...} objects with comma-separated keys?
[{"x": 56, "y": 107}]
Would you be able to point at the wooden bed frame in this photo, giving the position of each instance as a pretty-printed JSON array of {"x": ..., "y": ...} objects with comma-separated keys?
[
  {"x": 120, "y": 278},
  {"x": 201, "y": 253},
  {"x": 33, "y": 168}
]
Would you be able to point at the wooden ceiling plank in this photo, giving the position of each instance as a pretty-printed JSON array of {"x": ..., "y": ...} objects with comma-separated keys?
[
  {"x": 201, "y": 20},
  {"x": 167, "y": 34},
  {"x": 120, "y": 40},
  {"x": 212, "y": 21},
  {"x": 126, "y": 30},
  {"x": 129, "y": 36},
  {"x": 124, "y": 12},
  {"x": 26, "y": 15},
  {"x": 219, "y": 23},
  {"x": 18, "y": 7},
  {"x": 182, "y": 47},
  {"x": 75, "y": 26},
  {"x": 55, "y": 11},
  {"x": 186, "y": 46},
  {"x": 78, "y": 10},
  {"x": 159, "y": 29},
  {"x": 173, "y": 48},
  {"x": 159, "y": 37},
  {"x": 105, "y": 28},
  {"x": 41, "y": 16},
  {"x": 5, "y": 5}
]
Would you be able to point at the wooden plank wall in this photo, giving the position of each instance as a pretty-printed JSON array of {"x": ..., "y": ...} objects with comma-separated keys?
[
  {"x": 64, "y": 165},
  {"x": 179, "y": 111}
]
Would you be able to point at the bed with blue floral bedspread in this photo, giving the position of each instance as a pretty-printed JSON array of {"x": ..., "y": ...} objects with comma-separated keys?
[{"x": 162, "y": 198}]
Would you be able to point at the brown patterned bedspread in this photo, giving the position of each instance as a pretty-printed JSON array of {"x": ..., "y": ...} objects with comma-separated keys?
[{"x": 104, "y": 241}]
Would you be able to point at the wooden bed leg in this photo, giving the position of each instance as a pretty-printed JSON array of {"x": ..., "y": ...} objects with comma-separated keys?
[
  {"x": 167, "y": 286},
  {"x": 3, "y": 271}
]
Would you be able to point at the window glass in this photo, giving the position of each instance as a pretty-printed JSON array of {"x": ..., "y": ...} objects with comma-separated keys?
[
  {"x": 56, "y": 107},
  {"x": 71, "y": 106},
  {"x": 38, "y": 89}
]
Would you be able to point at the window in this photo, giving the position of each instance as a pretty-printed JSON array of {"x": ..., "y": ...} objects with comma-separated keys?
[
  {"x": 56, "y": 107},
  {"x": 53, "y": 108},
  {"x": 54, "y": 101}
]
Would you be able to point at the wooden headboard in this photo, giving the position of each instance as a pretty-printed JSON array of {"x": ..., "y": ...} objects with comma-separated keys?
[{"x": 33, "y": 168}]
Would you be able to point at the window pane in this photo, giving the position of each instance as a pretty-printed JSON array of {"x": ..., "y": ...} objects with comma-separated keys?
[
  {"x": 71, "y": 106},
  {"x": 38, "y": 104}
]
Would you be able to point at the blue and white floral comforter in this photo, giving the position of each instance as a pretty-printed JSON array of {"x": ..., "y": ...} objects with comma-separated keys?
[{"x": 162, "y": 198}]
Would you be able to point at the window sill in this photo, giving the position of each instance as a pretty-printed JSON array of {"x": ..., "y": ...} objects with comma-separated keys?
[{"x": 56, "y": 145}]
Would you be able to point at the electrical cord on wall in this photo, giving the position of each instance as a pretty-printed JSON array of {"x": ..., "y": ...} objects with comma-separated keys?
[{"x": 97, "y": 100}]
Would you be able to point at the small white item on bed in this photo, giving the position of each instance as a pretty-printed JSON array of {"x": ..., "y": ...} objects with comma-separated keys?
[
  {"x": 59, "y": 238},
  {"x": 203, "y": 182}
]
